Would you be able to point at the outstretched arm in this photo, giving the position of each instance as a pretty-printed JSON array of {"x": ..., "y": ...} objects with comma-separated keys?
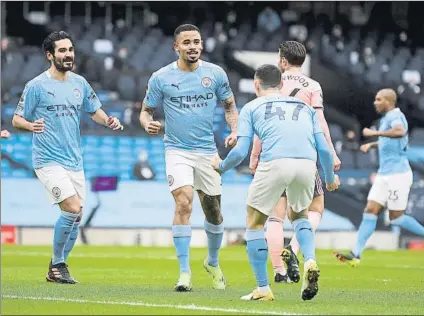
[
  {"x": 254, "y": 155},
  {"x": 236, "y": 155}
]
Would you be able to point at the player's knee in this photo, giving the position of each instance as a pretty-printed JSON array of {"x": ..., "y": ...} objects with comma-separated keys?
[
  {"x": 303, "y": 214},
  {"x": 395, "y": 214},
  {"x": 255, "y": 220},
  {"x": 71, "y": 205},
  {"x": 183, "y": 204},
  {"x": 317, "y": 205},
  {"x": 371, "y": 209}
]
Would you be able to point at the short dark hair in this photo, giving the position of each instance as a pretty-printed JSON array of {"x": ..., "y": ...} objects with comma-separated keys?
[
  {"x": 185, "y": 28},
  {"x": 269, "y": 76},
  {"x": 49, "y": 41},
  {"x": 294, "y": 52}
]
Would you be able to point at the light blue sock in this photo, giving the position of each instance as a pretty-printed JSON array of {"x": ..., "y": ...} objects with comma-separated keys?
[
  {"x": 215, "y": 234},
  {"x": 257, "y": 251},
  {"x": 305, "y": 235},
  {"x": 72, "y": 239},
  {"x": 62, "y": 231},
  {"x": 367, "y": 227},
  {"x": 182, "y": 237},
  {"x": 409, "y": 223}
]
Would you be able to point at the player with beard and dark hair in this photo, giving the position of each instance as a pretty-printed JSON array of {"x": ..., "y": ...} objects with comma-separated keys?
[
  {"x": 188, "y": 89},
  {"x": 50, "y": 107}
]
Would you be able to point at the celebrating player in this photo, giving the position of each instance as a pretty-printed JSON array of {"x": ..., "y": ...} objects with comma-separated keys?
[
  {"x": 295, "y": 84},
  {"x": 394, "y": 177},
  {"x": 291, "y": 135},
  {"x": 189, "y": 89},
  {"x": 50, "y": 107}
]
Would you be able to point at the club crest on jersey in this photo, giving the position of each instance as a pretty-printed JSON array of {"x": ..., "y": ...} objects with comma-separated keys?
[
  {"x": 56, "y": 192},
  {"x": 77, "y": 94},
  {"x": 170, "y": 180},
  {"x": 206, "y": 82}
]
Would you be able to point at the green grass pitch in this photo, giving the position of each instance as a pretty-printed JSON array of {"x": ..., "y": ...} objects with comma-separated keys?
[{"x": 137, "y": 280}]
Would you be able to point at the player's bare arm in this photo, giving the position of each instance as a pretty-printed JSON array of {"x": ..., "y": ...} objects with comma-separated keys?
[
  {"x": 146, "y": 120},
  {"x": 100, "y": 117},
  {"x": 396, "y": 132},
  {"x": 231, "y": 117},
  {"x": 365, "y": 147},
  {"x": 326, "y": 130},
  {"x": 211, "y": 206},
  {"x": 254, "y": 155},
  {"x": 35, "y": 127}
]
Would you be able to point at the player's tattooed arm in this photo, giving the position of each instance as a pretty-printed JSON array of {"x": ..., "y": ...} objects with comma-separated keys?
[
  {"x": 231, "y": 116},
  {"x": 211, "y": 206},
  {"x": 146, "y": 120},
  {"x": 231, "y": 113},
  {"x": 146, "y": 115}
]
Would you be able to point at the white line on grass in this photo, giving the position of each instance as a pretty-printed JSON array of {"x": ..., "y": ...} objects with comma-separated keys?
[{"x": 179, "y": 306}]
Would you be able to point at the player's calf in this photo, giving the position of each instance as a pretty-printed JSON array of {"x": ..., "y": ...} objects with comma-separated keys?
[{"x": 406, "y": 222}]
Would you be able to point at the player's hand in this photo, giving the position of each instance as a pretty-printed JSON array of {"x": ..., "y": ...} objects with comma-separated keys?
[
  {"x": 365, "y": 147},
  {"x": 215, "y": 163},
  {"x": 231, "y": 140},
  {"x": 368, "y": 132},
  {"x": 335, "y": 185},
  {"x": 254, "y": 161},
  {"x": 337, "y": 162},
  {"x": 153, "y": 127},
  {"x": 114, "y": 123},
  {"x": 38, "y": 126},
  {"x": 5, "y": 134}
]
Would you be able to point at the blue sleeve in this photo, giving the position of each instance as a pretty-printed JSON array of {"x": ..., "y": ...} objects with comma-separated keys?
[
  {"x": 245, "y": 124},
  {"x": 236, "y": 155},
  {"x": 91, "y": 102},
  {"x": 154, "y": 95},
  {"x": 397, "y": 121},
  {"x": 223, "y": 89},
  {"x": 28, "y": 101},
  {"x": 326, "y": 157}
]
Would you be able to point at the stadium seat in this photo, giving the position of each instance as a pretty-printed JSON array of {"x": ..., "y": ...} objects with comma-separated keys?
[
  {"x": 347, "y": 159},
  {"x": 127, "y": 87}
]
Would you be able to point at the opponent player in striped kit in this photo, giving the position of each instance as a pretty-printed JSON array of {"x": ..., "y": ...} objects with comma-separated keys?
[{"x": 292, "y": 54}]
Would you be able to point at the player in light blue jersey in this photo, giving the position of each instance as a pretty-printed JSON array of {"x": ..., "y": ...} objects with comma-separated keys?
[
  {"x": 291, "y": 135},
  {"x": 394, "y": 177},
  {"x": 51, "y": 107},
  {"x": 188, "y": 90}
]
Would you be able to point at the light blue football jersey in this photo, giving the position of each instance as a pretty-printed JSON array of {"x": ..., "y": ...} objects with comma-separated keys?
[
  {"x": 189, "y": 100},
  {"x": 60, "y": 103},
  {"x": 285, "y": 125},
  {"x": 392, "y": 151}
]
